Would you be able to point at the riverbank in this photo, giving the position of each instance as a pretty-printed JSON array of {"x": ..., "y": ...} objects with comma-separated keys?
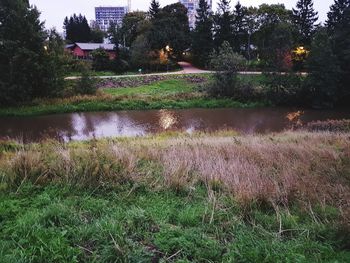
[
  {"x": 157, "y": 92},
  {"x": 256, "y": 199}
]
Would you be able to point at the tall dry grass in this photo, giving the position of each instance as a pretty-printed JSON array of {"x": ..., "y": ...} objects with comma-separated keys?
[{"x": 280, "y": 169}]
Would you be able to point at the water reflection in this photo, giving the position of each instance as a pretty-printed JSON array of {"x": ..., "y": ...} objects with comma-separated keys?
[
  {"x": 81, "y": 126},
  {"x": 167, "y": 119},
  {"x": 295, "y": 118}
]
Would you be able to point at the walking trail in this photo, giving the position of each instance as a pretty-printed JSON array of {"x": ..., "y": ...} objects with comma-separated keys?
[{"x": 187, "y": 68}]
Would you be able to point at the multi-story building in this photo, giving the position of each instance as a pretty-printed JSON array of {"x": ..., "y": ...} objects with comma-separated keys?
[
  {"x": 192, "y": 6},
  {"x": 107, "y": 15}
]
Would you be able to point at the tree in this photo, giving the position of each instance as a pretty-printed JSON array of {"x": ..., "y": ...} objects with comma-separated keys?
[
  {"x": 170, "y": 28},
  {"x": 202, "y": 44},
  {"x": 154, "y": 9},
  {"x": 97, "y": 35},
  {"x": 304, "y": 19},
  {"x": 239, "y": 27},
  {"x": 114, "y": 35},
  {"x": 134, "y": 24},
  {"x": 77, "y": 29},
  {"x": 27, "y": 67},
  {"x": 324, "y": 71},
  {"x": 223, "y": 24},
  {"x": 336, "y": 13},
  {"x": 227, "y": 63},
  {"x": 275, "y": 36},
  {"x": 119, "y": 63},
  {"x": 252, "y": 26},
  {"x": 100, "y": 60},
  {"x": 140, "y": 51},
  {"x": 338, "y": 25}
]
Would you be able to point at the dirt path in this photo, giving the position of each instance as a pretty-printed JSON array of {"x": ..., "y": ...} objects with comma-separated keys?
[{"x": 187, "y": 68}]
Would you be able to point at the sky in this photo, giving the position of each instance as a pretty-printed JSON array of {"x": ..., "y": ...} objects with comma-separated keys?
[{"x": 54, "y": 11}]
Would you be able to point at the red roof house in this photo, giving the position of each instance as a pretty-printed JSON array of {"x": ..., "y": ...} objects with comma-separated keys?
[{"x": 83, "y": 50}]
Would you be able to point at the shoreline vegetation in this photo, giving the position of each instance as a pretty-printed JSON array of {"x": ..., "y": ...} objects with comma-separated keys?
[
  {"x": 141, "y": 93},
  {"x": 217, "y": 196}
]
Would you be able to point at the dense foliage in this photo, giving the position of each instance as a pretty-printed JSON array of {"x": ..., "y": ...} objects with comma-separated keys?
[
  {"x": 78, "y": 30},
  {"x": 305, "y": 18},
  {"x": 29, "y": 63},
  {"x": 202, "y": 42},
  {"x": 227, "y": 63}
]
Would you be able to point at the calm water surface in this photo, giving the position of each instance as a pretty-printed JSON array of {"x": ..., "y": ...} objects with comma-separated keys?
[{"x": 81, "y": 126}]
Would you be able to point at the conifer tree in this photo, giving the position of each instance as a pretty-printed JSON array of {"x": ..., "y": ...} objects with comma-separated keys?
[
  {"x": 223, "y": 24},
  {"x": 304, "y": 19},
  {"x": 77, "y": 29},
  {"x": 202, "y": 43},
  {"x": 239, "y": 27},
  {"x": 154, "y": 9},
  {"x": 336, "y": 13},
  {"x": 338, "y": 25},
  {"x": 28, "y": 67}
]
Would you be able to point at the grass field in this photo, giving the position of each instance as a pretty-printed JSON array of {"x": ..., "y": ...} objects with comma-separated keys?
[
  {"x": 169, "y": 93},
  {"x": 177, "y": 198}
]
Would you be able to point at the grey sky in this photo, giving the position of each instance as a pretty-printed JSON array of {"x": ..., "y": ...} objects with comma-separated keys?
[{"x": 54, "y": 11}]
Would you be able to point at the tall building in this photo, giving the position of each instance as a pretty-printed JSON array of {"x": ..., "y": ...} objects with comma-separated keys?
[
  {"x": 192, "y": 6},
  {"x": 107, "y": 15}
]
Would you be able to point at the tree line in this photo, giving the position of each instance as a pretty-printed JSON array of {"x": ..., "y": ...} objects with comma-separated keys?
[
  {"x": 77, "y": 29},
  {"x": 270, "y": 37}
]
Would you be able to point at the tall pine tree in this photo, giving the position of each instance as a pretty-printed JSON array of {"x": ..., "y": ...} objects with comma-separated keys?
[
  {"x": 77, "y": 29},
  {"x": 336, "y": 13},
  {"x": 239, "y": 27},
  {"x": 338, "y": 24},
  {"x": 202, "y": 41},
  {"x": 223, "y": 24},
  {"x": 154, "y": 9},
  {"x": 304, "y": 19}
]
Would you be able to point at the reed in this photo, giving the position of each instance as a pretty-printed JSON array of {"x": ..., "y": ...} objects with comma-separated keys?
[{"x": 281, "y": 169}]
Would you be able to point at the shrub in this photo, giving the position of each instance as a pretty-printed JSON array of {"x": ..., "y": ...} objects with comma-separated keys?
[
  {"x": 285, "y": 89},
  {"x": 86, "y": 84},
  {"x": 330, "y": 126},
  {"x": 101, "y": 60},
  {"x": 227, "y": 64},
  {"x": 119, "y": 65}
]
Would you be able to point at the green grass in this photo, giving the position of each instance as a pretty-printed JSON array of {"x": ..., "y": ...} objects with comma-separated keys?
[
  {"x": 167, "y": 94},
  {"x": 147, "y": 200},
  {"x": 160, "y": 89},
  {"x": 128, "y": 224}
]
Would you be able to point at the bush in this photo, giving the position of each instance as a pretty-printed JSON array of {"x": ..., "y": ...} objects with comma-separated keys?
[
  {"x": 227, "y": 64},
  {"x": 101, "y": 60},
  {"x": 329, "y": 126},
  {"x": 86, "y": 84},
  {"x": 285, "y": 89},
  {"x": 119, "y": 65}
]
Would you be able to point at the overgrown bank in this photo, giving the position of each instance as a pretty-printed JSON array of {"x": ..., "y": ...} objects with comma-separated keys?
[
  {"x": 140, "y": 93},
  {"x": 256, "y": 199}
]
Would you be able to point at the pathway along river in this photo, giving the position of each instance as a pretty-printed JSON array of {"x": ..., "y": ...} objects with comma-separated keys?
[{"x": 82, "y": 126}]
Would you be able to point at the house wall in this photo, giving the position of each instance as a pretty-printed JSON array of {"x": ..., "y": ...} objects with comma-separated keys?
[{"x": 78, "y": 52}]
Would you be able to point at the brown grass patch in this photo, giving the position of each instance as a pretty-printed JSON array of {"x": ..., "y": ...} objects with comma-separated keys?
[{"x": 281, "y": 169}]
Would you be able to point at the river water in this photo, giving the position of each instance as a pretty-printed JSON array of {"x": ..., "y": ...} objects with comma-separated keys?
[{"x": 82, "y": 126}]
